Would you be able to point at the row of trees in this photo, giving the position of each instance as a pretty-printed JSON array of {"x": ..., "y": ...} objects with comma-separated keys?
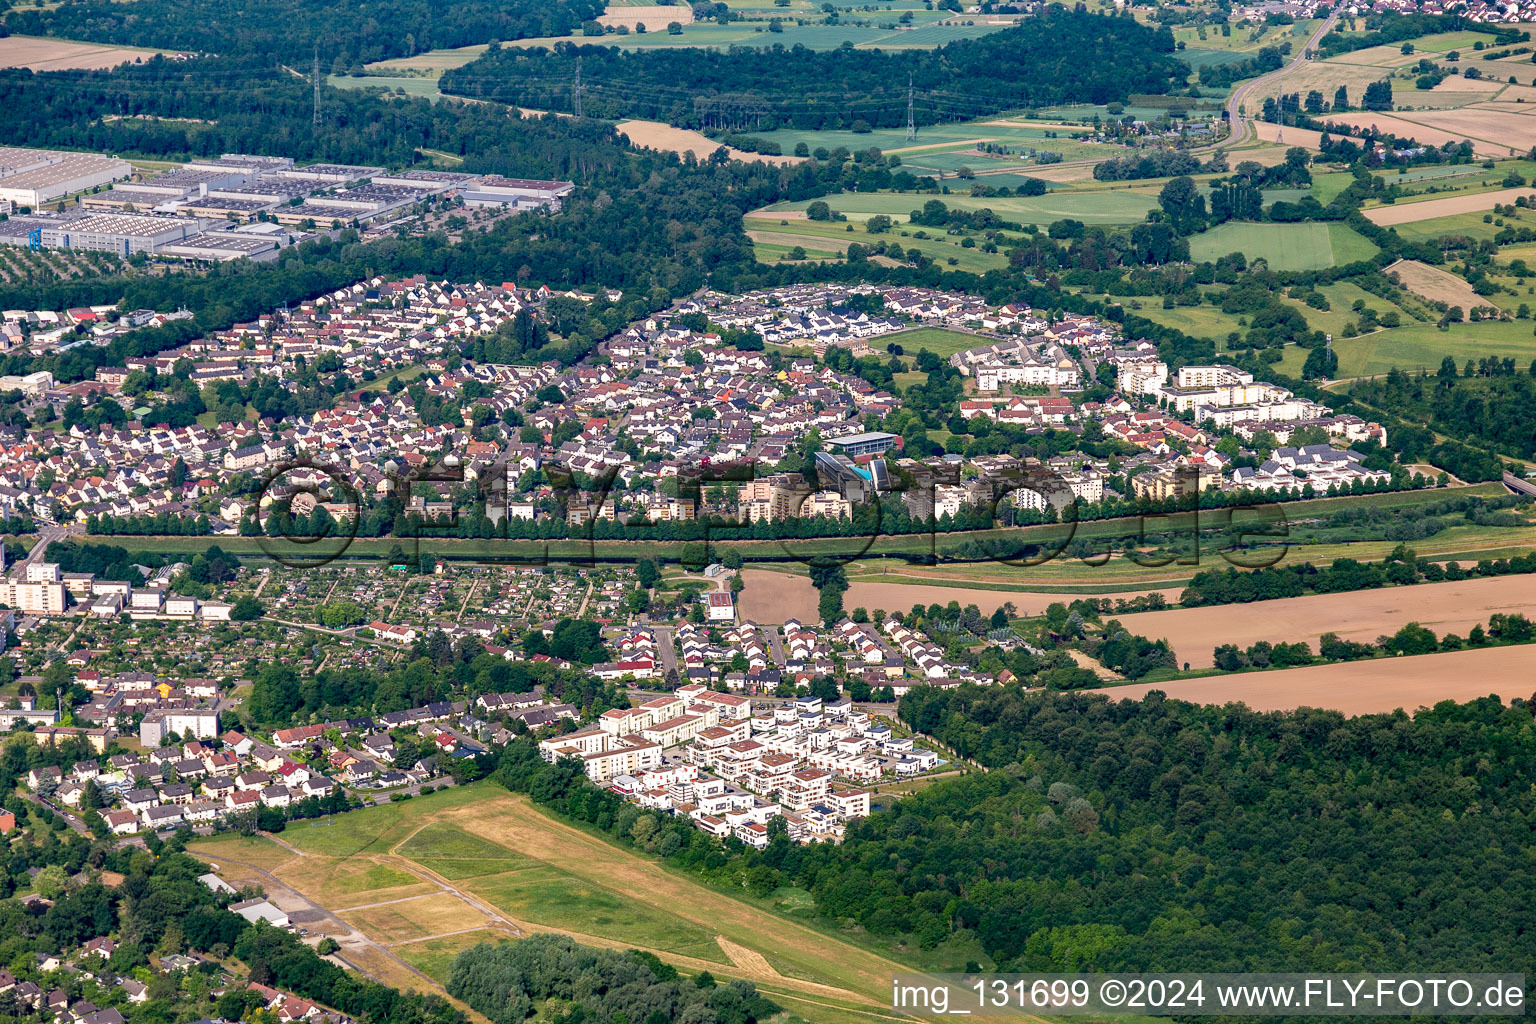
[
  {"x": 348, "y": 34},
  {"x": 1343, "y": 575},
  {"x": 1057, "y": 56},
  {"x": 1412, "y": 638}
]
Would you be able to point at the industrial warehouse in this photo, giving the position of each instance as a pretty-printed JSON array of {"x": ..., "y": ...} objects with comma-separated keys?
[
  {"x": 32, "y": 177},
  {"x": 237, "y": 206}
]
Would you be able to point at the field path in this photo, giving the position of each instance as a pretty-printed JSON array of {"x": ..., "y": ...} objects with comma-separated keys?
[
  {"x": 352, "y": 940},
  {"x": 514, "y": 822}
]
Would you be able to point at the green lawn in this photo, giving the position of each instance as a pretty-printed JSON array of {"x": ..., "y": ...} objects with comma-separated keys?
[
  {"x": 454, "y": 853},
  {"x": 1468, "y": 224},
  {"x": 1424, "y": 345},
  {"x": 940, "y": 342},
  {"x": 1199, "y": 321},
  {"x": 1119, "y": 206},
  {"x": 1310, "y": 246},
  {"x": 891, "y": 139},
  {"x": 830, "y": 239},
  {"x": 545, "y": 895}
]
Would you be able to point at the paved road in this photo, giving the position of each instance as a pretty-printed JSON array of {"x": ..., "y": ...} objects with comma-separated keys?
[
  {"x": 1241, "y": 124},
  {"x": 775, "y": 644},
  {"x": 47, "y": 535},
  {"x": 666, "y": 650}
]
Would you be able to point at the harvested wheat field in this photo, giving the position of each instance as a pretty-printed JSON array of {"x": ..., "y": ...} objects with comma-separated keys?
[
  {"x": 1062, "y": 172},
  {"x": 1363, "y": 687},
  {"x": 655, "y": 135},
  {"x": 1406, "y": 129},
  {"x": 651, "y": 17},
  {"x": 63, "y": 55},
  {"x": 1488, "y": 125},
  {"x": 1435, "y": 284},
  {"x": 1286, "y": 135},
  {"x": 1429, "y": 209},
  {"x": 902, "y": 596},
  {"x": 773, "y": 597},
  {"x": 1363, "y": 615}
]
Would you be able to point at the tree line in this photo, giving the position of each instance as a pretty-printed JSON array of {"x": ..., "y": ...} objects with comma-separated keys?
[
  {"x": 344, "y": 35},
  {"x": 1401, "y": 568},
  {"x": 1057, "y": 56},
  {"x": 1411, "y": 639},
  {"x": 510, "y": 981},
  {"x": 1120, "y": 835}
]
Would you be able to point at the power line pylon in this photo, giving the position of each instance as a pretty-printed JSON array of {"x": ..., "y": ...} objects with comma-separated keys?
[
  {"x": 576, "y": 107},
  {"x": 316, "y": 77},
  {"x": 911, "y": 121}
]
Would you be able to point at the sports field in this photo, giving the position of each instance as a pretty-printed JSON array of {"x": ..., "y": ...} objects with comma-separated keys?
[
  {"x": 1311, "y": 246},
  {"x": 487, "y": 865},
  {"x": 935, "y": 339}
]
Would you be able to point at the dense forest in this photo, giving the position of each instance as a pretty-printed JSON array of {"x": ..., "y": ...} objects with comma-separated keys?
[
  {"x": 1060, "y": 56},
  {"x": 346, "y": 32},
  {"x": 1161, "y": 835},
  {"x": 510, "y": 981},
  {"x": 1492, "y": 403}
]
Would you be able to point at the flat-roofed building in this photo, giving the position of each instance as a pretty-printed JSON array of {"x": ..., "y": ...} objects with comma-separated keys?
[
  {"x": 871, "y": 443},
  {"x": 219, "y": 247},
  {"x": 32, "y": 177},
  {"x": 427, "y": 180},
  {"x": 122, "y": 233},
  {"x": 331, "y": 174}
]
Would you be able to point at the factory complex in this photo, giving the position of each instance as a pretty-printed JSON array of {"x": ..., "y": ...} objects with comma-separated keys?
[{"x": 236, "y": 206}]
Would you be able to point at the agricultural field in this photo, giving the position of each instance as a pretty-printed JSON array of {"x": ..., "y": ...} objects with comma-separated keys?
[
  {"x": 1453, "y": 607},
  {"x": 36, "y": 54},
  {"x": 1410, "y": 211},
  {"x": 1361, "y": 687},
  {"x": 878, "y": 28},
  {"x": 665, "y": 137},
  {"x": 488, "y": 865},
  {"x": 1311, "y": 246},
  {"x": 774, "y": 237},
  {"x": 1091, "y": 206},
  {"x": 1435, "y": 284},
  {"x": 1424, "y": 345},
  {"x": 947, "y": 147}
]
